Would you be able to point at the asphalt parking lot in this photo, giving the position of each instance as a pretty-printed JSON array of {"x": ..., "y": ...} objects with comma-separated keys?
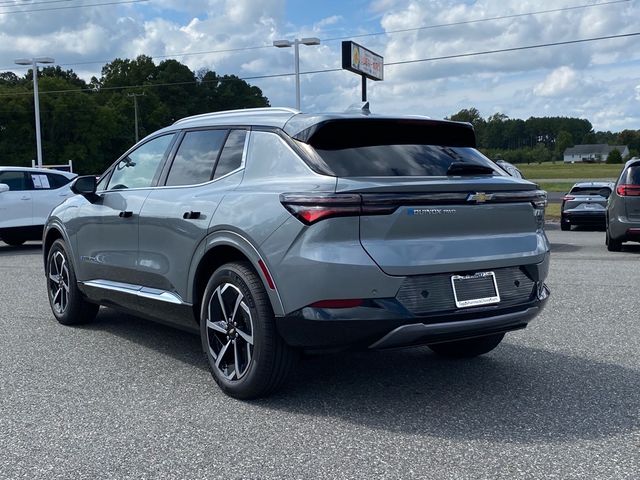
[{"x": 127, "y": 398}]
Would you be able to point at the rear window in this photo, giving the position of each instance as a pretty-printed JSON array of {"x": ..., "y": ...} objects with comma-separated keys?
[
  {"x": 392, "y": 148},
  {"x": 631, "y": 176},
  {"x": 588, "y": 190}
]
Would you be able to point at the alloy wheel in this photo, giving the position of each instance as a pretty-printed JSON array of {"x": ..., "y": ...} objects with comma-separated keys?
[
  {"x": 58, "y": 282},
  {"x": 230, "y": 331}
]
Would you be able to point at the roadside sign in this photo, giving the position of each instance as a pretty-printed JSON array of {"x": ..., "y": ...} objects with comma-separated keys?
[{"x": 362, "y": 61}]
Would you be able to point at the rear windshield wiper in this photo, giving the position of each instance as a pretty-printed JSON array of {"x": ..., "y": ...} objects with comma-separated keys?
[{"x": 464, "y": 168}]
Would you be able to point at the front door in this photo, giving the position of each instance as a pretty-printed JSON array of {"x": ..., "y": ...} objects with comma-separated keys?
[{"x": 107, "y": 238}]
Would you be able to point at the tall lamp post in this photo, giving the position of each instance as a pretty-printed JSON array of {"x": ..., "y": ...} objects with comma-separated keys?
[
  {"x": 36, "y": 99},
  {"x": 296, "y": 44}
]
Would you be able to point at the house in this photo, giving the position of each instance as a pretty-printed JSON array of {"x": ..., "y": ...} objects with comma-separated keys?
[{"x": 592, "y": 153}]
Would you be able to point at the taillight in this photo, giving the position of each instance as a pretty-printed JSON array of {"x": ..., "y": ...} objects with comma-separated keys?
[
  {"x": 311, "y": 208},
  {"x": 628, "y": 190},
  {"x": 568, "y": 197}
]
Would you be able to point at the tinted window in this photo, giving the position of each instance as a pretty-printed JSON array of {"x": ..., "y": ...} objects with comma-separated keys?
[
  {"x": 231, "y": 157},
  {"x": 399, "y": 160},
  {"x": 632, "y": 175},
  {"x": 588, "y": 190},
  {"x": 139, "y": 168},
  {"x": 196, "y": 157},
  {"x": 15, "y": 180},
  {"x": 57, "y": 181}
]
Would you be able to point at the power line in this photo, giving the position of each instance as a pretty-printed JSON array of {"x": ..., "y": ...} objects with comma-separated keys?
[
  {"x": 12, "y": 4},
  {"x": 48, "y": 9},
  {"x": 390, "y": 32},
  {"x": 329, "y": 70}
]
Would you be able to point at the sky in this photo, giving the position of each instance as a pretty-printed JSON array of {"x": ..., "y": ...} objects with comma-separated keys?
[{"x": 598, "y": 80}]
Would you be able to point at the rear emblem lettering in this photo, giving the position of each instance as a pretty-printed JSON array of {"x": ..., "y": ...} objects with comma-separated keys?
[{"x": 431, "y": 211}]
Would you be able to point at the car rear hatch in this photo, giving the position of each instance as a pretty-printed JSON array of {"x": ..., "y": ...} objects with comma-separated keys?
[
  {"x": 629, "y": 189},
  {"x": 586, "y": 200},
  {"x": 430, "y": 202}
]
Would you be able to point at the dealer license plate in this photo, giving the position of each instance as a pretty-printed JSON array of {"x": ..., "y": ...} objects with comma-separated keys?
[{"x": 473, "y": 290}]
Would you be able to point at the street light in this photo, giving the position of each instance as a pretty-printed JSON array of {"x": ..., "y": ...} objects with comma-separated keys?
[
  {"x": 296, "y": 43},
  {"x": 36, "y": 99}
]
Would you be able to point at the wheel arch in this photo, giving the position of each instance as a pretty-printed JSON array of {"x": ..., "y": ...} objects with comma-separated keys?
[
  {"x": 222, "y": 248},
  {"x": 51, "y": 234}
]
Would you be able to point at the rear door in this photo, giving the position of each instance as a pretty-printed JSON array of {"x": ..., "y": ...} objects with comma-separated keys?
[
  {"x": 176, "y": 216},
  {"x": 16, "y": 205},
  {"x": 49, "y": 190}
]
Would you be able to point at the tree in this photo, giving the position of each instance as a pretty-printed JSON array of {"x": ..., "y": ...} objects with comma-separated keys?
[
  {"x": 564, "y": 141},
  {"x": 614, "y": 156}
]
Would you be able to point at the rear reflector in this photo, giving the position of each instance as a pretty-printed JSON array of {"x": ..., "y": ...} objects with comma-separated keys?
[
  {"x": 266, "y": 274},
  {"x": 351, "y": 303},
  {"x": 628, "y": 190}
]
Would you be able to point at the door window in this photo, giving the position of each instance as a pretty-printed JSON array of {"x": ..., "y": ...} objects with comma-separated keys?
[
  {"x": 196, "y": 157},
  {"x": 139, "y": 169},
  {"x": 15, "y": 180},
  {"x": 231, "y": 157}
]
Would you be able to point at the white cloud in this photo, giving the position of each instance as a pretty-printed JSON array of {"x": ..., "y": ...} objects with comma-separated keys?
[{"x": 559, "y": 82}]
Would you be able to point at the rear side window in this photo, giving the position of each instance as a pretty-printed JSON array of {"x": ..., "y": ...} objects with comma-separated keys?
[
  {"x": 392, "y": 148},
  {"x": 15, "y": 180},
  {"x": 196, "y": 157},
  {"x": 631, "y": 176},
  {"x": 231, "y": 157},
  {"x": 57, "y": 181}
]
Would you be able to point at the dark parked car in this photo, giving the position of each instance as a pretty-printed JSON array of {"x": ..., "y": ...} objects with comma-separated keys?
[
  {"x": 270, "y": 231},
  {"x": 585, "y": 205},
  {"x": 623, "y": 210}
]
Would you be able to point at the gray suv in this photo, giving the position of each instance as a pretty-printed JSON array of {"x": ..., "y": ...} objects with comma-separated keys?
[
  {"x": 270, "y": 232},
  {"x": 623, "y": 208}
]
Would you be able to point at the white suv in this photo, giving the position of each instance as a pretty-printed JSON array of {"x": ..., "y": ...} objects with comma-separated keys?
[{"x": 27, "y": 195}]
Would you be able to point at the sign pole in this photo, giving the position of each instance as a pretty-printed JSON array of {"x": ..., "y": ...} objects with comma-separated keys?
[{"x": 364, "y": 88}]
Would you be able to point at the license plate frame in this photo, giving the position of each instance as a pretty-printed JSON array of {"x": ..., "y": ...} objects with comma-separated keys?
[{"x": 475, "y": 302}]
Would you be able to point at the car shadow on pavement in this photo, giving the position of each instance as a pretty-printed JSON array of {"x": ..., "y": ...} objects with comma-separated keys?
[
  {"x": 514, "y": 394},
  {"x": 26, "y": 249}
]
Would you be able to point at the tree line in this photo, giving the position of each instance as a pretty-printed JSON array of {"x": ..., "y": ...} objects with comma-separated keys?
[
  {"x": 538, "y": 139},
  {"x": 92, "y": 123}
]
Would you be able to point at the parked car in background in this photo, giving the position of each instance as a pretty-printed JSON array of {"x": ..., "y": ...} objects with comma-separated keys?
[
  {"x": 510, "y": 168},
  {"x": 585, "y": 205},
  {"x": 27, "y": 195},
  {"x": 623, "y": 209},
  {"x": 270, "y": 231}
]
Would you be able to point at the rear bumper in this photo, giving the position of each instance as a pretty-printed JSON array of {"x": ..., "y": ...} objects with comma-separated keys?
[
  {"x": 386, "y": 324},
  {"x": 585, "y": 218}
]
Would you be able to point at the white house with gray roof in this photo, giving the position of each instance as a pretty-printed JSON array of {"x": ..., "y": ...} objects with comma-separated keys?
[{"x": 598, "y": 152}]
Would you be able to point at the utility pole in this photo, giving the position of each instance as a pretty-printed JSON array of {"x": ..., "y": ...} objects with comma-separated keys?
[{"x": 135, "y": 106}]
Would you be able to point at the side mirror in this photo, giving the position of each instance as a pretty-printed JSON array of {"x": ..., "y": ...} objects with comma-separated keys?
[
  {"x": 4, "y": 187},
  {"x": 84, "y": 185}
]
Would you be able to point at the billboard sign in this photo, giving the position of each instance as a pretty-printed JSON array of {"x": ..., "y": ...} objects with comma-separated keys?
[{"x": 358, "y": 59}]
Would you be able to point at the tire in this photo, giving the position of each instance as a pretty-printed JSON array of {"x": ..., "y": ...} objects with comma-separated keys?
[
  {"x": 13, "y": 241},
  {"x": 613, "y": 245},
  {"x": 469, "y": 348},
  {"x": 246, "y": 355},
  {"x": 65, "y": 299},
  {"x": 564, "y": 225}
]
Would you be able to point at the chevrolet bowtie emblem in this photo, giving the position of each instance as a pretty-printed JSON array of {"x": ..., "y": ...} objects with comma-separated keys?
[{"x": 479, "y": 197}]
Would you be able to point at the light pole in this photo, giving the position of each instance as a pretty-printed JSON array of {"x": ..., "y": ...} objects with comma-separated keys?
[
  {"x": 296, "y": 44},
  {"x": 135, "y": 107},
  {"x": 36, "y": 99}
]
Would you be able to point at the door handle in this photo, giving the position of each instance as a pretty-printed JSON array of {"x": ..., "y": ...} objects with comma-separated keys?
[
  {"x": 125, "y": 214},
  {"x": 191, "y": 215},
  {"x": 25, "y": 198}
]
